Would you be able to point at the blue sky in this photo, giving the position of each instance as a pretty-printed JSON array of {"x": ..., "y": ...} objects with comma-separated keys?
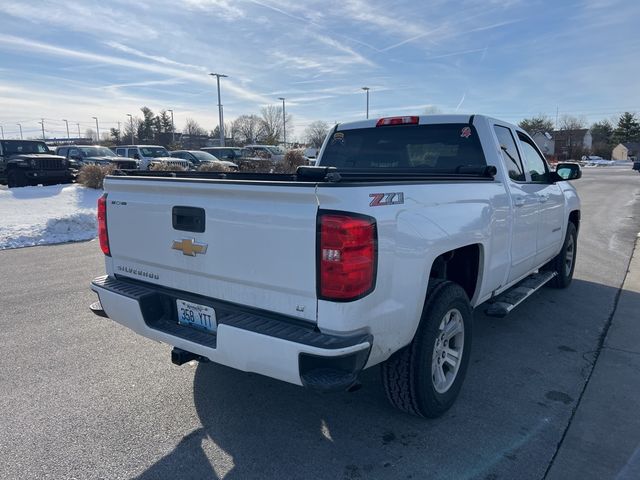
[{"x": 507, "y": 58}]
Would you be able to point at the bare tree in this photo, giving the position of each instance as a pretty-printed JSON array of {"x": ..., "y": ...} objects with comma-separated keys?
[
  {"x": 248, "y": 129},
  {"x": 571, "y": 122},
  {"x": 316, "y": 132},
  {"x": 193, "y": 128},
  {"x": 90, "y": 133},
  {"x": 272, "y": 124}
]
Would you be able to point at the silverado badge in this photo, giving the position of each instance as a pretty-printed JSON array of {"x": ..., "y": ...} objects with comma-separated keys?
[{"x": 189, "y": 246}]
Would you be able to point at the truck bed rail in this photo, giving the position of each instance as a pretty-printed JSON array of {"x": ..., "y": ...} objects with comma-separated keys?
[{"x": 306, "y": 174}]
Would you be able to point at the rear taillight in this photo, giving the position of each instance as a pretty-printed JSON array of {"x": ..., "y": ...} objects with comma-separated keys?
[
  {"x": 385, "y": 122},
  {"x": 103, "y": 235},
  {"x": 347, "y": 256}
]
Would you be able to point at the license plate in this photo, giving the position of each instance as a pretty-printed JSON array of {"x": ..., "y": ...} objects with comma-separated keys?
[{"x": 197, "y": 316}]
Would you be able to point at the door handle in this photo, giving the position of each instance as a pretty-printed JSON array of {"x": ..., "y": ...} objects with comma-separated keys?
[
  {"x": 543, "y": 197},
  {"x": 518, "y": 201}
]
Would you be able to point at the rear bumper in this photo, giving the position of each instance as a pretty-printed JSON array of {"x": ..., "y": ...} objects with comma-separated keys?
[{"x": 246, "y": 339}]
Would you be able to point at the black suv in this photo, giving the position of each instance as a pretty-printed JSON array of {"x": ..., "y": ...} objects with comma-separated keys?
[
  {"x": 96, "y": 155},
  {"x": 30, "y": 162}
]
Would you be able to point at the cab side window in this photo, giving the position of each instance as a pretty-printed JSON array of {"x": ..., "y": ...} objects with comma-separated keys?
[
  {"x": 510, "y": 155},
  {"x": 121, "y": 152},
  {"x": 536, "y": 165},
  {"x": 132, "y": 152}
]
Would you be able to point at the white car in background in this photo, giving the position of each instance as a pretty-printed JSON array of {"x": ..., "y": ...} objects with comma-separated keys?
[
  {"x": 149, "y": 154},
  {"x": 198, "y": 157}
]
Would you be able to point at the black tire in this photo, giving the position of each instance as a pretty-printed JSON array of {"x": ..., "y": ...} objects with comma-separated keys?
[
  {"x": 16, "y": 178},
  {"x": 560, "y": 264},
  {"x": 408, "y": 376}
]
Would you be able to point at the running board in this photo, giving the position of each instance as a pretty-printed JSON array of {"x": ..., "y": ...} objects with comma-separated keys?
[{"x": 507, "y": 301}]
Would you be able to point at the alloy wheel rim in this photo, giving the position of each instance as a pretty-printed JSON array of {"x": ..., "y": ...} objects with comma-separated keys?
[{"x": 447, "y": 351}]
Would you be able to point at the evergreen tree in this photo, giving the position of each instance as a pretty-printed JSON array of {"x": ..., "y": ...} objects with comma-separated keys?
[
  {"x": 628, "y": 129},
  {"x": 148, "y": 127},
  {"x": 539, "y": 124}
]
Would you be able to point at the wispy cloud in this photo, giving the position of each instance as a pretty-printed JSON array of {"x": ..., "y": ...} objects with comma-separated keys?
[
  {"x": 197, "y": 77},
  {"x": 227, "y": 9},
  {"x": 156, "y": 58},
  {"x": 461, "y": 101},
  {"x": 79, "y": 16}
]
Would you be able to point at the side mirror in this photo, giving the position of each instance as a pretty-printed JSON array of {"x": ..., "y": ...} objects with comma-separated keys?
[
  {"x": 136, "y": 156},
  {"x": 568, "y": 171}
]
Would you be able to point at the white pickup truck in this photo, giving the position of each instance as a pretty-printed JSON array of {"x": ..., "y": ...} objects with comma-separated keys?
[{"x": 377, "y": 255}]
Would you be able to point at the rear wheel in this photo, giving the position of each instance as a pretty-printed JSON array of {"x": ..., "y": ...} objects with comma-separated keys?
[
  {"x": 425, "y": 377},
  {"x": 565, "y": 262},
  {"x": 16, "y": 178}
]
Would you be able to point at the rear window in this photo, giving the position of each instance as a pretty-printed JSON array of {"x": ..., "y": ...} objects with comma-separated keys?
[{"x": 438, "y": 148}]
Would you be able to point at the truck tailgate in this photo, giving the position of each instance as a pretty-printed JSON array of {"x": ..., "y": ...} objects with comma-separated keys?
[{"x": 259, "y": 237}]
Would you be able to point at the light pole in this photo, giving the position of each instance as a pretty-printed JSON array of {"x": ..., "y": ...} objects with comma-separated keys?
[
  {"x": 68, "y": 136},
  {"x": 366, "y": 89},
  {"x": 97, "y": 129},
  {"x": 20, "y": 125},
  {"x": 41, "y": 122},
  {"x": 221, "y": 119},
  {"x": 173, "y": 129},
  {"x": 131, "y": 119},
  {"x": 119, "y": 132},
  {"x": 79, "y": 136},
  {"x": 284, "y": 123}
]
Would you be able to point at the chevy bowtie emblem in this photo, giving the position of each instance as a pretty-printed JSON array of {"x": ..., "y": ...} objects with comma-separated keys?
[{"x": 189, "y": 246}]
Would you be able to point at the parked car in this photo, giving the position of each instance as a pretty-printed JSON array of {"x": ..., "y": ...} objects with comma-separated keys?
[
  {"x": 269, "y": 152},
  {"x": 148, "y": 154},
  {"x": 30, "y": 162},
  {"x": 198, "y": 157},
  {"x": 95, "y": 155},
  {"x": 378, "y": 255},
  {"x": 225, "y": 153},
  {"x": 636, "y": 166},
  {"x": 311, "y": 154}
]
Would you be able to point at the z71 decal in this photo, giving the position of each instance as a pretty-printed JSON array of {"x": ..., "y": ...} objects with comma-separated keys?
[{"x": 382, "y": 199}]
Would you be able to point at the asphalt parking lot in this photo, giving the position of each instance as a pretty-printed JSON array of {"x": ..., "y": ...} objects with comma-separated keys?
[{"x": 85, "y": 398}]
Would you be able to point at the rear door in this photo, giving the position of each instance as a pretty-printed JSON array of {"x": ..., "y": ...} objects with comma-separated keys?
[
  {"x": 525, "y": 206},
  {"x": 256, "y": 246},
  {"x": 550, "y": 200}
]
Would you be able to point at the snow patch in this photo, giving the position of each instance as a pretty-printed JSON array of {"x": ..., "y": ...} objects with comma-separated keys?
[{"x": 45, "y": 215}]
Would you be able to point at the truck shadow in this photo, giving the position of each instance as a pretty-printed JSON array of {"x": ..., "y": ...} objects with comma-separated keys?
[{"x": 525, "y": 376}]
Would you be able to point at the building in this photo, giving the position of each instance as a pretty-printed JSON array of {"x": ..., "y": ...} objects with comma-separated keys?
[
  {"x": 626, "y": 151},
  {"x": 571, "y": 144},
  {"x": 545, "y": 142}
]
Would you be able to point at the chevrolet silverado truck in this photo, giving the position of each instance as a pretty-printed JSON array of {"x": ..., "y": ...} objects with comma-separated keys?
[
  {"x": 30, "y": 162},
  {"x": 377, "y": 255}
]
